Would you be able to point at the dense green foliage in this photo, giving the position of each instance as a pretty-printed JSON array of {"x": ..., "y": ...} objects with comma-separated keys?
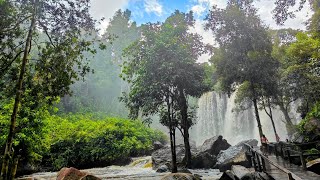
[
  {"x": 244, "y": 54},
  {"x": 163, "y": 73},
  {"x": 80, "y": 141},
  {"x": 43, "y": 44},
  {"x": 309, "y": 127},
  {"x": 84, "y": 141}
]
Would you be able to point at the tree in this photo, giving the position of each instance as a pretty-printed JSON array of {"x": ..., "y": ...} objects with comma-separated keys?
[
  {"x": 244, "y": 56},
  {"x": 299, "y": 61},
  {"x": 163, "y": 72},
  {"x": 301, "y": 71},
  {"x": 46, "y": 67}
]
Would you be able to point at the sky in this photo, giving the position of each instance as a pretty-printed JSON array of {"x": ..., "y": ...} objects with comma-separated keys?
[{"x": 144, "y": 11}]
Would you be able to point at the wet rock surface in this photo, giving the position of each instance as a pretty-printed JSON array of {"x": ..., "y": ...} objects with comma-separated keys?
[
  {"x": 251, "y": 142},
  {"x": 129, "y": 172},
  {"x": 235, "y": 155},
  {"x": 239, "y": 173},
  {"x": 203, "y": 157},
  {"x": 203, "y": 160},
  {"x": 163, "y": 156},
  {"x": 162, "y": 169},
  {"x": 214, "y": 145},
  {"x": 74, "y": 174},
  {"x": 157, "y": 145}
]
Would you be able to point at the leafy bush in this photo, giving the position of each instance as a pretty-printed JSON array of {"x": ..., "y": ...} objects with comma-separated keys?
[
  {"x": 309, "y": 127},
  {"x": 82, "y": 141},
  {"x": 76, "y": 140}
]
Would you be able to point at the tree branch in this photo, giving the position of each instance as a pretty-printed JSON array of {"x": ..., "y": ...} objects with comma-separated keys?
[
  {"x": 46, "y": 31},
  {"x": 16, "y": 25},
  {"x": 3, "y": 70}
]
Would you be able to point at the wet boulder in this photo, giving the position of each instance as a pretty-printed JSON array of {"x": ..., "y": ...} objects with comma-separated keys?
[
  {"x": 162, "y": 169},
  {"x": 163, "y": 156},
  {"x": 235, "y": 155},
  {"x": 74, "y": 174},
  {"x": 238, "y": 173},
  {"x": 242, "y": 173},
  {"x": 203, "y": 160},
  {"x": 157, "y": 145},
  {"x": 251, "y": 142},
  {"x": 70, "y": 174},
  {"x": 314, "y": 166},
  {"x": 227, "y": 175},
  {"x": 214, "y": 145}
]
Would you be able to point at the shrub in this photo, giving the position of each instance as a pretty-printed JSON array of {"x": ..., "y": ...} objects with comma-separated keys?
[{"x": 82, "y": 141}]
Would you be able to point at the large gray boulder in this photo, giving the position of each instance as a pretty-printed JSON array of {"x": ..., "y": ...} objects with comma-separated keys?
[
  {"x": 162, "y": 169},
  {"x": 242, "y": 173},
  {"x": 251, "y": 142},
  {"x": 157, "y": 145},
  {"x": 163, "y": 156},
  {"x": 235, "y": 155},
  {"x": 214, "y": 145},
  {"x": 238, "y": 173},
  {"x": 227, "y": 175},
  {"x": 203, "y": 160}
]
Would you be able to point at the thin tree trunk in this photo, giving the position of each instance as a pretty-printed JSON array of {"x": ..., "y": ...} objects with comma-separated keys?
[
  {"x": 185, "y": 126},
  {"x": 171, "y": 127},
  {"x": 19, "y": 90},
  {"x": 271, "y": 118},
  {"x": 14, "y": 167},
  {"x": 256, "y": 110}
]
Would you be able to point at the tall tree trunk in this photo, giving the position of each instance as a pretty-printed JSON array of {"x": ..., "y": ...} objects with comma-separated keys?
[
  {"x": 172, "y": 132},
  {"x": 19, "y": 90},
  {"x": 289, "y": 125},
  {"x": 269, "y": 113},
  {"x": 174, "y": 168},
  {"x": 185, "y": 126},
  {"x": 256, "y": 110}
]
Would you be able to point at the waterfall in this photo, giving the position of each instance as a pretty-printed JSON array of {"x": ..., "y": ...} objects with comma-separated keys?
[{"x": 216, "y": 115}]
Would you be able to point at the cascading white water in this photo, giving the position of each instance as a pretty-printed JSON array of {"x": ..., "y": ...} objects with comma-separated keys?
[{"x": 216, "y": 116}]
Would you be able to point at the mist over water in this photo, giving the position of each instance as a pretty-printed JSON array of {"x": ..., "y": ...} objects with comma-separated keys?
[{"x": 216, "y": 115}]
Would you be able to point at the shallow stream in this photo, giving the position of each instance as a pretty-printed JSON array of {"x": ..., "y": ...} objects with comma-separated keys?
[{"x": 136, "y": 170}]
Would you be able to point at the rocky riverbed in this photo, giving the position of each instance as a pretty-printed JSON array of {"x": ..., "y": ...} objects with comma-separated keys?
[
  {"x": 136, "y": 170},
  {"x": 209, "y": 160}
]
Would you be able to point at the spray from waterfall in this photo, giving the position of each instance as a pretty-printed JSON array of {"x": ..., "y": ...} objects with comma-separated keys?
[{"x": 216, "y": 115}]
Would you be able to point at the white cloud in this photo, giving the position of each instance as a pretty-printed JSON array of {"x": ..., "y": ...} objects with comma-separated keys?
[
  {"x": 266, "y": 6},
  {"x": 153, "y": 6},
  {"x": 198, "y": 9},
  {"x": 106, "y": 9},
  {"x": 207, "y": 38}
]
